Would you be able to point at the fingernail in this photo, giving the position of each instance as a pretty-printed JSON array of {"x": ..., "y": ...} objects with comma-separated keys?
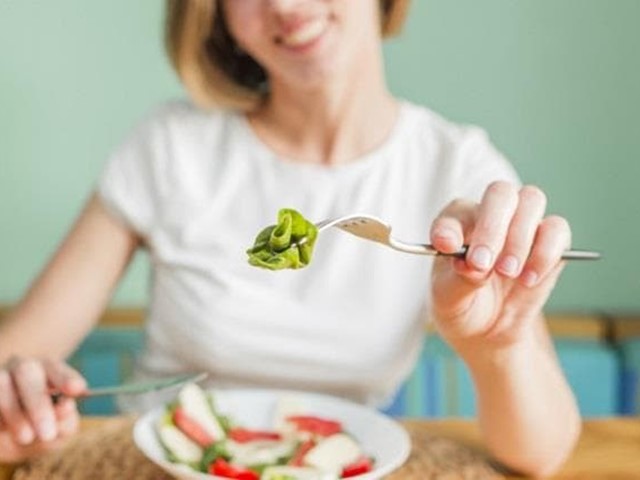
[
  {"x": 76, "y": 384},
  {"x": 25, "y": 436},
  {"x": 482, "y": 257},
  {"x": 509, "y": 265},
  {"x": 530, "y": 278},
  {"x": 47, "y": 430},
  {"x": 65, "y": 406}
]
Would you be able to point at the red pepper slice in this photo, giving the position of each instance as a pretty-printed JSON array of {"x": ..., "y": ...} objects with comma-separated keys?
[
  {"x": 298, "y": 457},
  {"x": 360, "y": 466},
  {"x": 191, "y": 428},
  {"x": 243, "y": 435},
  {"x": 222, "y": 468},
  {"x": 315, "y": 425}
]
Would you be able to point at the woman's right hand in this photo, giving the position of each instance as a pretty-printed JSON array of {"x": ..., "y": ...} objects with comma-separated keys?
[{"x": 30, "y": 422}]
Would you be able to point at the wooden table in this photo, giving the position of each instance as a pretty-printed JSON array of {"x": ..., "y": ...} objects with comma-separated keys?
[{"x": 608, "y": 449}]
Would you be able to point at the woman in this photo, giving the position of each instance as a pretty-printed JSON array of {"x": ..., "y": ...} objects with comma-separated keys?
[{"x": 311, "y": 125}]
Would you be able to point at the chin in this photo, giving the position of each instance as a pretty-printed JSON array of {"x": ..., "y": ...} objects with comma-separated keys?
[{"x": 316, "y": 76}]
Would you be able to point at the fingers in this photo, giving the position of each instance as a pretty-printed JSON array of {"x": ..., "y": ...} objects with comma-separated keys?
[
  {"x": 31, "y": 384},
  {"x": 64, "y": 378},
  {"x": 11, "y": 452},
  {"x": 26, "y": 409},
  {"x": 489, "y": 235},
  {"x": 522, "y": 231},
  {"x": 449, "y": 230},
  {"x": 68, "y": 421},
  {"x": 13, "y": 418},
  {"x": 506, "y": 233},
  {"x": 553, "y": 237},
  {"x": 67, "y": 417},
  {"x": 512, "y": 263}
]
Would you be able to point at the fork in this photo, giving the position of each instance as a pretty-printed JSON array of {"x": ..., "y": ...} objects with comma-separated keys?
[
  {"x": 374, "y": 229},
  {"x": 135, "y": 387}
]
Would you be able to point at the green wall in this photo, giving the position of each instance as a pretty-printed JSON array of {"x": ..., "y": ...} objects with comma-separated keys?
[{"x": 557, "y": 85}]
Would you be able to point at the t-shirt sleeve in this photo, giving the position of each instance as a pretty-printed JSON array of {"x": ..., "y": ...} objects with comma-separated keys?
[
  {"x": 479, "y": 163},
  {"x": 129, "y": 183}
]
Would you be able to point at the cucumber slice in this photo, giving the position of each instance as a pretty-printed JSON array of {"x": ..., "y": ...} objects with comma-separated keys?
[
  {"x": 196, "y": 405},
  {"x": 178, "y": 445},
  {"x": 295, "y": 473},
  {"x": 260, "y": 453},
  {"x": 287, "y": 406},
  {"x": 333, "y": 453}
]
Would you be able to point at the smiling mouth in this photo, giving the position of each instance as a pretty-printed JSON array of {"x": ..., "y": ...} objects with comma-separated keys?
[{"x": 305, "y": 35}]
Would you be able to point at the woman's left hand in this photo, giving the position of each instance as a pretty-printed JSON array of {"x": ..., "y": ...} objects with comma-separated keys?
[{"x": 495, "y": 294}]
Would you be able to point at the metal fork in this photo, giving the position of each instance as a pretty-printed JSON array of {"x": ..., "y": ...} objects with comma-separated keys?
[
  {"x": 134, "y": 387},
  {"x": 374, "y": 229}
]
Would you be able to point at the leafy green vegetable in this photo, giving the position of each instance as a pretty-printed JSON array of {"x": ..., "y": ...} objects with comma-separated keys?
[
  {"x": 225, "y": 422},
  {"x": 288, "y": 244},
  {"x": 211, "y": 453}
]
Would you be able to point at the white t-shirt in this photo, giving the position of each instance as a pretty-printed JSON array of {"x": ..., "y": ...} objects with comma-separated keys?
[{"x": 199, "y": 185}]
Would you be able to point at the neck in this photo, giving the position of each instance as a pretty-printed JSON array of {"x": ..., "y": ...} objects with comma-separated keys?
[{"x": 334, "y": 123}]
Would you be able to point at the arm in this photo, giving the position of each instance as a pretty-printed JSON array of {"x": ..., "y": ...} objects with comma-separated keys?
[
  {"x": 527, "y": 413},
  {"x": 488, "y": 307},
  {"x": 65, "y": 301},
  {"x": 58, "y": 311}
]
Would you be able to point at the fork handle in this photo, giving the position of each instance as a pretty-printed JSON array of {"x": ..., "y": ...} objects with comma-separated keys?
[
  {"x": 426, "y": 249},
  {"x": 581, "y": 255}
]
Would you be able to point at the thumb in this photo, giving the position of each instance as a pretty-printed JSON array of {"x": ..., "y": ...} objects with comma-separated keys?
[
  {"x": 64, "y": 378},
  {"x": 455, "y": 285}
]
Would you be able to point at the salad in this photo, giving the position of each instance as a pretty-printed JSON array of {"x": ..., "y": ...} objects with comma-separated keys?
[
  {"x": 296, "y": 447},
  {"x": 287, "y": 244}
]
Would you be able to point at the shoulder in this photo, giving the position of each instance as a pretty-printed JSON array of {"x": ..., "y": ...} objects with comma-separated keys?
[
  {"x": 179, "y": 116},
  {"x": 171, "y": 137},
  {"x": 463, "y": 155},
  {"x": 431, "y": 127},
  {"x": 450, "y": 142}
]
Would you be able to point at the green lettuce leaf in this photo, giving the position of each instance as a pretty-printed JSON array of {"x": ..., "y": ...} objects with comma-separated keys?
[{"x": 279, "y": 246}]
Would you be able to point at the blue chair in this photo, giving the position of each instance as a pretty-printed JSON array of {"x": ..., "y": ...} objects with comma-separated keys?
[
  {"x": 630, "y": 380},
  {"x": 441, "y": 386},
  {"x": 106, "y": 357},
  {"x": 626, "y": 335}
]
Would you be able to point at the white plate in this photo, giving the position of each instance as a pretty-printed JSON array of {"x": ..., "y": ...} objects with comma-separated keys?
[{"x": 379, "y": 436}]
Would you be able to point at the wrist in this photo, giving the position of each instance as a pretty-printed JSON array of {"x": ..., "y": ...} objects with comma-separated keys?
[
  {"x": 487, "y": 352},
  {"x": 468, "y": 333}
]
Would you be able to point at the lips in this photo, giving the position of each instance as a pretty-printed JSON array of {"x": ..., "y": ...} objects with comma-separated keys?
[{"x": 304, "y": 34}]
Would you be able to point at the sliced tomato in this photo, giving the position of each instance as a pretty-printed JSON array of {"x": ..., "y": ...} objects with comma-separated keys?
[
  {"x": 360, "y": 466},
  {"x": 222, "y": 468},
  {"x": 298, "y": 457},
  {"x": 315, "y": 425},
  {"x": 244, "y": 435},
  {"x": 191, "y": 428}
]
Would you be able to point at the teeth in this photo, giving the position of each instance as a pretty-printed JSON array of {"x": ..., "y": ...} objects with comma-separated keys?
[{"x": 306, "y": 33}]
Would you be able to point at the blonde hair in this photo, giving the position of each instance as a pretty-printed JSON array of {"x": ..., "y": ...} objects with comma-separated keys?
[{"x": 212, "y": 68}]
